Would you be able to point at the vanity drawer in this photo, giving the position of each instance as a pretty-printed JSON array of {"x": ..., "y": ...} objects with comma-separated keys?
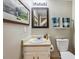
[
  {"x": 29, "y": 55},
  {"x": 37, "y": 55},
  {"x": 37, "y": 49}
]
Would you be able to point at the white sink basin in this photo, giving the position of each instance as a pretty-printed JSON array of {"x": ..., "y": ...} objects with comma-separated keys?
[{"x": 37, "y": 41}]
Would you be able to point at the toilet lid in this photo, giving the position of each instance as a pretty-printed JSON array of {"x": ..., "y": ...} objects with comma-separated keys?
[{"x": 67, "y": 55}]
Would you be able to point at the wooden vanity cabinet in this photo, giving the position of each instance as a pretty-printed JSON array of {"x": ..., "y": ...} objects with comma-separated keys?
[{"x": 37, "y": 52}]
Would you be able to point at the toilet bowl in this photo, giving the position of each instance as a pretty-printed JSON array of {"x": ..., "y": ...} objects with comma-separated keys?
[
  {"x": 67, "y": 55},
  {"x": 62, "y": 45}
]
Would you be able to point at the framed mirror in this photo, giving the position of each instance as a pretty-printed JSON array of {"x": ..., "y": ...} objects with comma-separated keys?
[{"x": 40, "y": 18}]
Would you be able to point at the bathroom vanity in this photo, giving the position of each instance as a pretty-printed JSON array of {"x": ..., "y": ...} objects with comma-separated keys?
[{"x": 36, "y": 48}]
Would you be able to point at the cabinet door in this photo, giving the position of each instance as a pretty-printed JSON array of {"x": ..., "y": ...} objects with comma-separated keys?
[
  {"x": 29, "y": 56},
  {"x": 43, "y": 56}
]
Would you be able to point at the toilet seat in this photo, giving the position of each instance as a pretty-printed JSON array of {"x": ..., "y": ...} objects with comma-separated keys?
[{"x": 67, "y": 55}]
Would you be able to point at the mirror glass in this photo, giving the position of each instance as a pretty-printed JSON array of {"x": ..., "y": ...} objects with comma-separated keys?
[{"x": 40, "y": 17}]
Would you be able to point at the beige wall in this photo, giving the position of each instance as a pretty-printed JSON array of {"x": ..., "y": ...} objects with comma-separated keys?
[
  {"x": 60, "y": 9},
  {"x": 12, "y": 35}
]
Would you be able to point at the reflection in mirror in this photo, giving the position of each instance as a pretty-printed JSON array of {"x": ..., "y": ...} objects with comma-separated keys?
[{"x": 40, "y": 17}]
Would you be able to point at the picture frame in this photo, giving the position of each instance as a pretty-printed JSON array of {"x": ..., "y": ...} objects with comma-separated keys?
[
  {"x": 40, "y": 17},
  {"x": 16, "y": 12}
]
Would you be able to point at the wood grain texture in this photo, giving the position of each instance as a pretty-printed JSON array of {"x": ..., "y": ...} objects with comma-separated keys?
[{"x": 55, "y": 55}]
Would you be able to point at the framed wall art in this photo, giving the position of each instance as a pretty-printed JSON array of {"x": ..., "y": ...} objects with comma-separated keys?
[
  {"x": 40, "y": 18},
  {"x": 15, "y": 11}
]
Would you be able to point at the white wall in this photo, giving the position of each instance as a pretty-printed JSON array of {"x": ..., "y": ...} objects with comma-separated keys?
[
  {"x": 73, "y": 9},
  {"x": 61, "y": 9},
  {"x": 73, "y": 18}
]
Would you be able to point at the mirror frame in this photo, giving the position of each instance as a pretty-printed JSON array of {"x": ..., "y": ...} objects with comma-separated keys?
[{"x": 47, "y": 18}]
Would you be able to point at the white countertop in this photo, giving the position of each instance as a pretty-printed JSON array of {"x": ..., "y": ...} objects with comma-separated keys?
[{"x": 37, "y": 41}]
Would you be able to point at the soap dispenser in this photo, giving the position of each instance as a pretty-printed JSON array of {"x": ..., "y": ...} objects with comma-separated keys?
[{"x": 46, "y": 36}]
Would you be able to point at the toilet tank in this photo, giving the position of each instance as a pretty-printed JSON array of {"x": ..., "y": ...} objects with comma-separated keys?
[{"x": 62, "y": 44}]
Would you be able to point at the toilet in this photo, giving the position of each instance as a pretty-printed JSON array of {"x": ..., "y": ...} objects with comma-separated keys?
[{"x": 62, "y": 45}]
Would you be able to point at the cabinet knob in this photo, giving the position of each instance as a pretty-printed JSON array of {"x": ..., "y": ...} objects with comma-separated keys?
[
  {"x": 38, "y": 57},
  {"x": 33, "y": 57}
]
